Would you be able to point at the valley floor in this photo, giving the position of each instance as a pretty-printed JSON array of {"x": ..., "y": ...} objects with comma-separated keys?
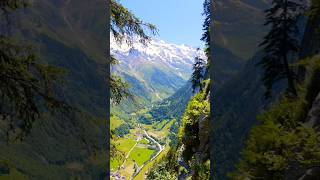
[{"x": 142, "y": 149}]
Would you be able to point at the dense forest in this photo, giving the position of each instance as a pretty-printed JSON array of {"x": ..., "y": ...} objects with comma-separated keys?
[{"x": 273, "y": 136}]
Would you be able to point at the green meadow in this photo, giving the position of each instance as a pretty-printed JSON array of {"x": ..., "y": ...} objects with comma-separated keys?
[{"x": 141, "y": 155}]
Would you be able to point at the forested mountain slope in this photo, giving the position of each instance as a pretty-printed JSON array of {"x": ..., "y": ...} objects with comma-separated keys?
[{"x": 67, "y": 34}]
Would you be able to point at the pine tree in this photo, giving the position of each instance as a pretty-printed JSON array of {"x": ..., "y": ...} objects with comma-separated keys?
[
  {"x": 279, "y": 43},
  {"x": 206, "y": 25},
  {"x": 206, "y": 32},
  {"x": 198, "y": 74},
  {"x": 200, "y": 66}
]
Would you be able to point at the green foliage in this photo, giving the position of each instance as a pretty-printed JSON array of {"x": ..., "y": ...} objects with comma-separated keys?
[
  {"x": 166, "y": 168},
  {"x": 145, "y": 119},
  {"x": 115, "y": 122},
  {"x": 124, "y": 24},
  {"x": 278, "y": 143},
  {"x": 119, "y": 89},
  {"x": 271, "y": 149},
  {"x": 188, "y": 133},
  {"x": 160, "y": 172},
  {"x": 174, "y": 106},
  {"x": 9, "y": 5},
  {"x": 27, "y": 87},
  {"x": 198, "y": 74},
  {"x": 202, "y": 170},
  {"x": 122, "y": 130},
  {"x": 312, "y": 66},
  {"x": 314, "y": 9}
]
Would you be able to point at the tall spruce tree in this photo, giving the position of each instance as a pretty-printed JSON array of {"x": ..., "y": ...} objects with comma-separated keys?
[
  {"x": 200, "y": 66},
  {"x": 280, "y": 43},
  {"x": 198, "y": 74}
]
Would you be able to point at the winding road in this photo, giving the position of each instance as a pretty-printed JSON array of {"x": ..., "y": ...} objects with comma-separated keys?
[{"x": 160, "y": 150}]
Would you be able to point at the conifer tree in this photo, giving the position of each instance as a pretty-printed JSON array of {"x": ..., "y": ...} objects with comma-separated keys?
[
  {"x": 206, "y": 26},
  {"x": 280, "y": 43},
  {"x": 200, "y": 66},
  {"x": 198, "y": 73}
]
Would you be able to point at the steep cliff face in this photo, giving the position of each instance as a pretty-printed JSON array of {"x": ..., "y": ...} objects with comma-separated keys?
[
  {"x": 311, "y": 40},
  {"x": 232, "y": 28},
  {"x": 313, "y": 119},
  {"x": 194, "y": 135}
]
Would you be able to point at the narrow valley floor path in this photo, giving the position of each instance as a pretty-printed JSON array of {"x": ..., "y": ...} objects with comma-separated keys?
[
  {"x": 158, "y": 153},
  {"x": 160, "y": 149}
]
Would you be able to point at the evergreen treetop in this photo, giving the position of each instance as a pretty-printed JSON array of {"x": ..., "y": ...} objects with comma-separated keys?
[{"x": 280, "y": 44}]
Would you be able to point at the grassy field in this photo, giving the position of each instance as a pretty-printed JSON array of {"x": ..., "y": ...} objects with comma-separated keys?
[
  {"x": 114, "y": 164},
  {"x": 125, "y": 144},
  {"x": 146, "y": 168},
  {"x": 115, "y": 122},
  {"x": 141, "y": 155},
  {"x": 128, "y": 169},
  {"x": 144, "y": 141}
]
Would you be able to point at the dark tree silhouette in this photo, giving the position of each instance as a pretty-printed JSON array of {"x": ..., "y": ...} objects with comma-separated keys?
[
  {"x": 279, "y": 43},
  {"x": 198, "y": 74},
  {"x": 200, "y": 66}
]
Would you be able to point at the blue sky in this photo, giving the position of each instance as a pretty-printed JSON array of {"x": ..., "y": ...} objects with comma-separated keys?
[{"x": 178, "y": 21}]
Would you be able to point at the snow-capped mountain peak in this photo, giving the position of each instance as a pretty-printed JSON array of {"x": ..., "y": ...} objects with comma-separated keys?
[
  {"x": 159, "y": 67},
  {"x": 175, "y": 57}
]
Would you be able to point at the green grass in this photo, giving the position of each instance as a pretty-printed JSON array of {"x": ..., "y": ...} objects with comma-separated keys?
[
  {"x": 125, "y": 144},
  {"x": 159, "y": 126},
  {"x": 115, "y": 122},
  {"x": 141, "y": 155},
  {"x": 144, "y": 141},
  {"x": 151, "y": 164},
  {"x": 114, "y": 164}
]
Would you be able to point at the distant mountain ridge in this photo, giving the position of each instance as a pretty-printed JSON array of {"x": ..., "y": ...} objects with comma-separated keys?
[{"x": 161, "y": 68}]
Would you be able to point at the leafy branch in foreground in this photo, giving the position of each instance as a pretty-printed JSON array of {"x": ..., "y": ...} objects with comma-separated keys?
[
  {"x": 119, "y": 89},
  {"x": 124, "y": 27},
  {"x": 9, "y": 5},
  {"x": 27, "y": 88}
]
